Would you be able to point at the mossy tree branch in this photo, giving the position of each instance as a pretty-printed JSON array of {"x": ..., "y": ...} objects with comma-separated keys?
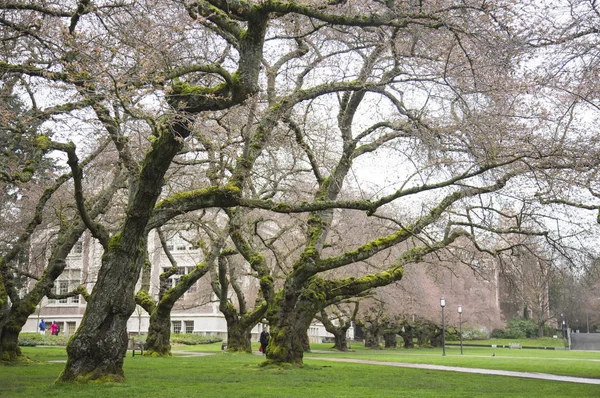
[
  {"x": 41, "y": 8},
  {"x": 20, "y": 244},
  {"x": 73, "y": 161},
  {"x": 256, "y": 260},
  {"x": 354, "y": 286}
]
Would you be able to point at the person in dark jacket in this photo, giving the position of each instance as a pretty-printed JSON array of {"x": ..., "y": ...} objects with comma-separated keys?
[{"x": 264, "y": 339}]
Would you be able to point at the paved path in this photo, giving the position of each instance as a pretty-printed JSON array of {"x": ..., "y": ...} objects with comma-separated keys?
[
  {"x": 528, "y": 375},
  {"x": 187, "y": 354}
]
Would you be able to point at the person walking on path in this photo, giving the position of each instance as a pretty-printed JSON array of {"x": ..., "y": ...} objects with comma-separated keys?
[
  {"x": 54, "y": 328},
  {"x": 42, "y": 327},
  {"x": 264, "y": 340}
]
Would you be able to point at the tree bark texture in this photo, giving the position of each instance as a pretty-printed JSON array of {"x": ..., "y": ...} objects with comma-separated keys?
[
  {"x": 390, "y": 339},
  {"x": 372, "y": 338},
  {"x": 289, "y": 327},
  {"x": 408, "y": 336},
  {"x": 340, "y": 340},
  {"x": 11, "y": 326},
  {"x": 238, "y": 337},
  {"x": 9, "y": 342},
  {"x": 97, "y": 349},
  {"x": 158, "y": 342},
  {"x": 305, "y": 341}
]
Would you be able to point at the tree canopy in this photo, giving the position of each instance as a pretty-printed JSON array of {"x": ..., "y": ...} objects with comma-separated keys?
[{"x": 369, "y": 134}]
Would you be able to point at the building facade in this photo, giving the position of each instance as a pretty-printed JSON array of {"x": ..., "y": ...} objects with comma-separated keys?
[{"x": 196, "y": 312}]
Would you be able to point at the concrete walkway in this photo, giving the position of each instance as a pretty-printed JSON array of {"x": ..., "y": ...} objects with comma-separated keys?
[
  {"x": 527, "y": 375},
  {"x": 188, "y": 354},
  {"x": 509, "y": 373}
]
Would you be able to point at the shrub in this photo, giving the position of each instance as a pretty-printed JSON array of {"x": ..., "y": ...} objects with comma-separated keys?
[
  {"x": 498, "y": 334},
  {"x": 452, "y": 334},
  {"x": 193, "y": 339},
  {"x": 476, "y": 334},
  {"x": 549, "y": 331},
  {"x": 519, "y": 328},
  {"x": 25, "y": 342},
  {"x": 35, "y": 339}
]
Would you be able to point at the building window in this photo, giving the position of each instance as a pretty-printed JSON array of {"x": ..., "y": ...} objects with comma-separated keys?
[
  {"x": 63, "y": 288},
  {"x": 70, "y": 328},
  {"x": 77, "y": 249},
  {"x": 74, "y": 299},
  {"x": 189, "y": 326},
  {"x": 176, "y": 327}
]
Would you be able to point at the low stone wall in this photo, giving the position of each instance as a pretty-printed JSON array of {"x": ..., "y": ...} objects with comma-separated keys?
[{"x": 585, "y": 341}]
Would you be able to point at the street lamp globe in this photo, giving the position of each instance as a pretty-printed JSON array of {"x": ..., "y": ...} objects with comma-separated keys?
[{"x": 443, "y": 304}]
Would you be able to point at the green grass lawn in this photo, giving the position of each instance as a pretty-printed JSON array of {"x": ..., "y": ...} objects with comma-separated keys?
[
  {"x": 240, "y": 375},
  {"x": 559, "y": 362}
]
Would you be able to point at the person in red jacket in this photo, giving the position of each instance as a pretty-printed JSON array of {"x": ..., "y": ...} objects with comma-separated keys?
[{"x": 54, "y": 328}]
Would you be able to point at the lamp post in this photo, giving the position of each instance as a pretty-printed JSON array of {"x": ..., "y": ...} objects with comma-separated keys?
[
  {"x": 443, "y": 304},
  {"x": 460, "y": 326}
]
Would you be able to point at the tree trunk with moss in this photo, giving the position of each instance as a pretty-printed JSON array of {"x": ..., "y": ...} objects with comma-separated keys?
[
  {"x": 407, "y": 336},
  {"x": 12, "y": 323},
  {"x": 9, "y": 340},
  {"x": 96, "y": 350},
  {"x": 372, "y": 340},
  {"x": 306, "y": 341},
  {"x": 240, "y": 324},
  {"x": 14, "y": 313},
  {"x": 158, "y": 341},
  {"x": 239, "y": 337},
  {"x": 289, "y": 322},
  {"x": 390, "y": 340},
  {"x": 339, "y": 332},
  {"x": 159, "y": 329},
  {"x": 286, "y": 344},
  {"x": 340, "y": 342}
]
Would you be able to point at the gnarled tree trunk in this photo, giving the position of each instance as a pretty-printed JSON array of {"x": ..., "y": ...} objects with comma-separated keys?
[
  {"x": 305, "y": 341},
  {"x": 12, "y": 324},
  {"x": 97, "y": 349},
  {"x": 408, "y": 336},
  {"x": 340, "y": 341},
  {"x": 9, "y": 342},
  {"x": 288, "y": 330},
  {"x": 390, "y": 339},
  {"x": 339, "y": 332},
  {"x": 158, "y": 342},
  {"x": 239, "y": 336}
]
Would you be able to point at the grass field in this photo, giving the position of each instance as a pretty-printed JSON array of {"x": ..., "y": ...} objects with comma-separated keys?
[{"x": 240, "y": 375}]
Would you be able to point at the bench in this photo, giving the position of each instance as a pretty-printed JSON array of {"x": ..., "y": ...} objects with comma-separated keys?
[
  {"x": 515, "y": 345},
  {"x": 133, "y": 345}
]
